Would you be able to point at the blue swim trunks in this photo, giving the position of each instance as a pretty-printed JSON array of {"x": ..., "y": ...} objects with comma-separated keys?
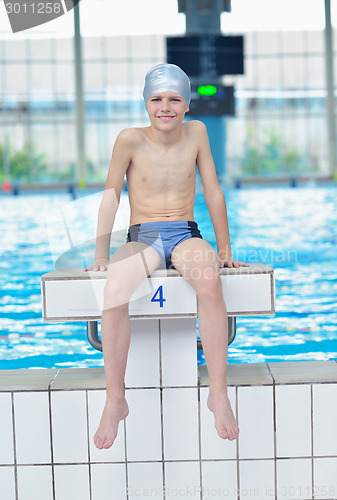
[{"x": 164, "y": 236}]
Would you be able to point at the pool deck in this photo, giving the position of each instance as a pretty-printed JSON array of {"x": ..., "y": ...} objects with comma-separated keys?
[{"x": 287, "y": 447}]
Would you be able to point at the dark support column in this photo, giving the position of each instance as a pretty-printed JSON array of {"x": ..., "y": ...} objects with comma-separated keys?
[
  {"x": 216, "y": 127},
  {"x": 203, "y": 17}
]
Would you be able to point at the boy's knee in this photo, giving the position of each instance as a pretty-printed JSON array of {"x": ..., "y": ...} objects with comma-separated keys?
[
  {"x": 116, "y": 293},
  {"x": 209, "y": 284}
]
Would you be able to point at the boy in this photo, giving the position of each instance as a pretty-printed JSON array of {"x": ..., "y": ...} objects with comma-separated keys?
[{"x": 160, "y": 164}]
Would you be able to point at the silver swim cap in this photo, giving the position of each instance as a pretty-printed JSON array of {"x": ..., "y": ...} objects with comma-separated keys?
[{"x": 167, "y": 77}]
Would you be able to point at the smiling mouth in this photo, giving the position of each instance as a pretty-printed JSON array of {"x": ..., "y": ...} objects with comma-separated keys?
[{"x": 166, "y": 117}]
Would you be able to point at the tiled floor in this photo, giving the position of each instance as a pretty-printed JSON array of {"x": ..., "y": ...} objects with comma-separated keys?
[{"x": 168, "y": 447}]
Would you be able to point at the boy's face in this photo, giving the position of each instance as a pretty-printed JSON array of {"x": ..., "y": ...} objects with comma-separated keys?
[{"x": 166, "y": 109}]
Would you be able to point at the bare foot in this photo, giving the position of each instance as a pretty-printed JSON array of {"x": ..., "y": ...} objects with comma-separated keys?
[
  {"x": 224, "y": 420},
  {"x": 114, "y": 411}
]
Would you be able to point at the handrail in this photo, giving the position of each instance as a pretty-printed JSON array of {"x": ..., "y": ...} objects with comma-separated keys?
[{"x": 95, "y": 341}]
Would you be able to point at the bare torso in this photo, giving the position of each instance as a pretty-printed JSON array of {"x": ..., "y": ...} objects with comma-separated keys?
[{"x": 161, "y": 178}]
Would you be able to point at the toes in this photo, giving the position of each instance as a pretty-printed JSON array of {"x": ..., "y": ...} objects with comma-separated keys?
[
  {"x": 107, "y": 444},
  {"x": 223, "y": 433},
  {"x": 231, "y": 433},
  {"x": 98, "y": 443},
  {"x": 103, "y": 442}
]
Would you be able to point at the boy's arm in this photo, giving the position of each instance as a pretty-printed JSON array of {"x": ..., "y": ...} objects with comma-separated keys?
[
  {"x": 214, "y": 199},
  {"x": 120, "y": 161}
]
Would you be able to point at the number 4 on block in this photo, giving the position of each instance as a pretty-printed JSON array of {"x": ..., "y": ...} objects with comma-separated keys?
[{"x": 159, "y": 296}]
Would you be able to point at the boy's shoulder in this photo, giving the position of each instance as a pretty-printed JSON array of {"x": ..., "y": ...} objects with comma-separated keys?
[
  {"x": 196, "y": 123},
  {"x": 130, "y": 136},
  {"x": 131, "y": 133},
  {"x": 196, "y": 126}
]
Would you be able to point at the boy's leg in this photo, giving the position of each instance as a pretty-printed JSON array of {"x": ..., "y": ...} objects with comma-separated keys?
[
  {"x": 198, "y": 262},
  {"x": 129, "y": 266}
]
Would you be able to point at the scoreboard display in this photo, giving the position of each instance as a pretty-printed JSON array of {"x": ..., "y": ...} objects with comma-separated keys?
[{"x": 214, "y": 55}]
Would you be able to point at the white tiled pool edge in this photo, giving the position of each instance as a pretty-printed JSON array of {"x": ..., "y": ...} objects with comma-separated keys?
[{"x": 288, "y": 440}]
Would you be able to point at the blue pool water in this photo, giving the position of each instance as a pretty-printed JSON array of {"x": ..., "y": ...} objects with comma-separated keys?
[{"x": 292, "y": 229}]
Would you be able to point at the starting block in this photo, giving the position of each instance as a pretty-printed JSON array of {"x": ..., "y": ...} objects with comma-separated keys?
[{"x": 163, "y": 312}]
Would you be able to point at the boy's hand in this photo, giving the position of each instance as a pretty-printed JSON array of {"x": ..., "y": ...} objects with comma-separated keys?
[
  {"x": 230, "y": 262},
  {"x": 100, "y": 265}
]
